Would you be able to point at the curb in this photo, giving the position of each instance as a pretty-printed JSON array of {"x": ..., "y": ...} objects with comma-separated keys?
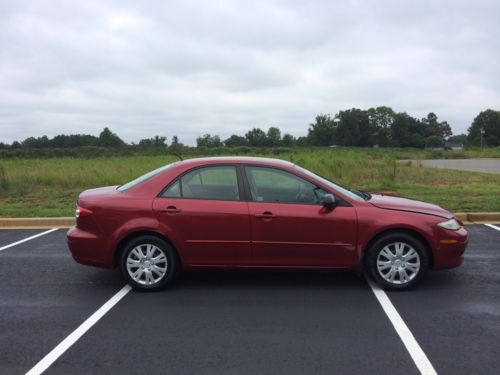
[
  {"x": 478, "y": 217},
  {"x": 36, "y": 222},
  {"x": 66, "y": 222}
]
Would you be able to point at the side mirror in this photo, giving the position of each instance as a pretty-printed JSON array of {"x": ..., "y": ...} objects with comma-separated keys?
[{"x": 329, "y": 201}]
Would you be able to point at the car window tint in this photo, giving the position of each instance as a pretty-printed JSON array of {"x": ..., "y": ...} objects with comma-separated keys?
[
  {"x": 173, "y": 191},
  {"x": 219, "y": 182},
  {"x": 274, "y": 185}
]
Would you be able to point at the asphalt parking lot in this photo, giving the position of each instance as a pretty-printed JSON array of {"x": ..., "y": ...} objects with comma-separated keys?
[{"x": 243, "y": 322}]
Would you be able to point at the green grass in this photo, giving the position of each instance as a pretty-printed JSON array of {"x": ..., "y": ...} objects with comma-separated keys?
[{"x": 50, "y": 187}]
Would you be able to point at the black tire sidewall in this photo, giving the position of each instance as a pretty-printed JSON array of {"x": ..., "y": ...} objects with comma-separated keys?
[
  {"x": 167, "y": 249},
  {"x": 379, "y": 244}
]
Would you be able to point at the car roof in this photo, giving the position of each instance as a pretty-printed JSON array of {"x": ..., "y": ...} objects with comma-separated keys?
[{"x": 236, "y": 160}]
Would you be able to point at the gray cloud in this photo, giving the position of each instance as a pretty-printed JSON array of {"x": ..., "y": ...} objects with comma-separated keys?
[{"x": 190, "y": 67}]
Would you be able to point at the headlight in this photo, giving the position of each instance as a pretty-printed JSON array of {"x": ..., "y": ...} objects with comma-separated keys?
[{"x": 451, "y": 224}]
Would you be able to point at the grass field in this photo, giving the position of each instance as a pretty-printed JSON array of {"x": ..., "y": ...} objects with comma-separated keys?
[{"x": 49, "y": 187}]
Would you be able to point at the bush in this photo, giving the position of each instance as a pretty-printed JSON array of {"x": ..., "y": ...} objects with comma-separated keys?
[
  {"x": 3, "y": 178},
  {"x": 436, "y": 154}
]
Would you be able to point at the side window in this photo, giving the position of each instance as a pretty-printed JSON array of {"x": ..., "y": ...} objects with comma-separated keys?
[
  {"x": 173, "y": 191},
  {"x": 217, "y": 182},
  {"x": 274, "y": 185}
]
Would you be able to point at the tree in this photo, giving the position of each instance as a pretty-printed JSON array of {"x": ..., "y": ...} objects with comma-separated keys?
[
  {"x": 434, "y": 127},
  {"x": 203, "y": 141},
  {"x": 416, "y": 140},
  {"x": 73, "y": 140},
  {"x": 322, "y": 131},
  {"x": 176, "y": 145},
  {"x": 355, "y": 129},
  {"x": 288, "y": 140},
  {"x": 157, "y": 141},
  {"x": 215, "y": 141},
  {"x": 109, "y": 139},
  {"x": 459, "y": 138},
  {"x": 381, "y": 119},
  {"x": 434, "y": 141},
  {"x": 256, "y": 137},
  {"x": 208, "y": 140},
  {"x": 302, "y": 141},
  {"x": 33, "y": 142},
  {"x": 235, "y": 140},
  {"x": 487, "y": 121},
  {"x": 407, "y": 131},
  {"x": 273, "y": 137}
]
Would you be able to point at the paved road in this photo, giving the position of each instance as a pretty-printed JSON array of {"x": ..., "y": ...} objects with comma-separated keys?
[
  {"x": 475, "y": 165},
  {"x": 244, "y": 322}
]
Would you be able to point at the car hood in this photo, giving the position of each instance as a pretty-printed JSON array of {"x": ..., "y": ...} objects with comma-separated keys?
[{"x": 404, "y": 204}]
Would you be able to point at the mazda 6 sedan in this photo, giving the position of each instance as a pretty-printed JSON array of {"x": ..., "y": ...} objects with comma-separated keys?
[{"x": 234, "y": 212}]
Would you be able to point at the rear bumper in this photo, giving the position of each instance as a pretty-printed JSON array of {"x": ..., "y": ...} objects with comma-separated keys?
[
  {"x": 89, "y": 249},
  {"x": 449, "y": 251}
]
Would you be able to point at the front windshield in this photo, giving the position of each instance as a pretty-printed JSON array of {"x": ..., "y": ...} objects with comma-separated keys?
[
  {"x": 330, "y": 184},
  {"x": 145, "y": 177}
]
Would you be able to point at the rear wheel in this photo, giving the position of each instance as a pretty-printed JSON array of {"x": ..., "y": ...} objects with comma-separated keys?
[
  {"x": 148, "y": 263},
  {"x": 397, "y": 261}
]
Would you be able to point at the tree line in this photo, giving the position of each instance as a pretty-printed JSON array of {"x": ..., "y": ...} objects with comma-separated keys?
[{"x": 380, "y": 126}]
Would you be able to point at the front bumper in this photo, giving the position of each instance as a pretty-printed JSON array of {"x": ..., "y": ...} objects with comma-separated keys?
[{"x": 448, "y": 252}]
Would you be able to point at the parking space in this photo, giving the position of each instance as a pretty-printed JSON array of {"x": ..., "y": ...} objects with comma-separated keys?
[
  {"x": 455, "y": 314},
  {"x": 8, "y": 237},
  {"x": 254, "y": 322},
  {"x": 244, "y": 322},
  {"x": 44, "y": 296}
]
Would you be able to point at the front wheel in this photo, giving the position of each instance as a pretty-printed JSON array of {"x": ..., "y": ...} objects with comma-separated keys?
[
  {"x": 148, "y": 263},
  {"x": 397, "y": 261}
]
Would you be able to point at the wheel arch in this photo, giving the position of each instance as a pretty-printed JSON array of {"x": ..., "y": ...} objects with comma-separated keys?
[{"x": 411, "y": 232}]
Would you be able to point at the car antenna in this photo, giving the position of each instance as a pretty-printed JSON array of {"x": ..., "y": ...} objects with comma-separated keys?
[{"x": 178, "y": 155}]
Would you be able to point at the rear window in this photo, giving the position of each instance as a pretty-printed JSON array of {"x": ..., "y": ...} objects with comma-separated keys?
[{"x": 147, "y": 176}]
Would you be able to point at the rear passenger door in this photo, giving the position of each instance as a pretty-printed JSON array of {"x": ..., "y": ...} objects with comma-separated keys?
[{"x": 205, "y": 208}]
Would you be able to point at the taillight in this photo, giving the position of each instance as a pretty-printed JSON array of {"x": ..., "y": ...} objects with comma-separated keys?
[{"x": 82, "y": 212}]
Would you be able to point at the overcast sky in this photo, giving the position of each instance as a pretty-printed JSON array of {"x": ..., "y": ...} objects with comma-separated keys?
[{"x": 185, "y": 68}]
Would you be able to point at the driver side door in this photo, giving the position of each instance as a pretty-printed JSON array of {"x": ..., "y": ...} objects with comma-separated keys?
[{"x": 289, "y": 225}]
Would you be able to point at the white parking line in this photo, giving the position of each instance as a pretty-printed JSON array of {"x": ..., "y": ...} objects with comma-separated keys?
[
  {"x": 492, "y": 226},
  {"x": 28, "y": 239},
  {"x": 417, "y": 354},
  {"x": 64, "y": 345}
]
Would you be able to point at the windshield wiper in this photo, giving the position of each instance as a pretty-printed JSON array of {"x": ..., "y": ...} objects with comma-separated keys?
[{"x": 363, "y": 194}]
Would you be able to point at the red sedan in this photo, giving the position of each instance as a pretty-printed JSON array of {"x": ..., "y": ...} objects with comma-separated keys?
[{"x": 256, "y": 212}]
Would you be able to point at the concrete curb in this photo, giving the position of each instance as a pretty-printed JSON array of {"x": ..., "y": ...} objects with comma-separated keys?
[
  {"x": 487, "y": 217},
  {"x": 66, "y": 222},
  {"x": 36, "y": 222}
]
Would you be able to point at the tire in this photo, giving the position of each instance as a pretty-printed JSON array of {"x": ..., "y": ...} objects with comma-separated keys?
[
  {"x": 397, "y": 261},
  {"x": 148, "y": 263}
]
